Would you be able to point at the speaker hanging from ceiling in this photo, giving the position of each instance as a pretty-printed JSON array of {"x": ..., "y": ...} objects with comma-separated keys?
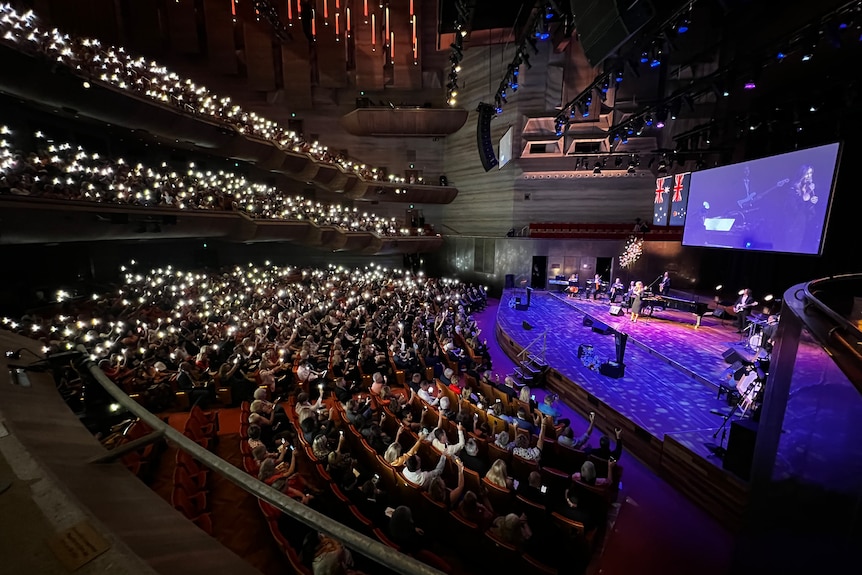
[{"x": 483, "y": 136}]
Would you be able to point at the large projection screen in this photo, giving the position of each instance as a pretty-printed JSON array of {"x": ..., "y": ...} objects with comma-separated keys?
[{"x": 775, "y": 204}]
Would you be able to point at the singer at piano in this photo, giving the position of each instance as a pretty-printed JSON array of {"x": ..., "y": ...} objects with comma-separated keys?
[
  {"x": 744, "y": 303},
  {"x": 664, "y": 284}
]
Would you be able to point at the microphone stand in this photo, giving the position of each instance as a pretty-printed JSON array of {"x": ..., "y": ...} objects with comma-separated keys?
[{"x": 649, "y": 287}]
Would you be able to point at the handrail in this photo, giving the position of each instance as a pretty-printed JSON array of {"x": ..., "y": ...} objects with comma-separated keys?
[
  {"x": 359, "y": 543},
  {"x": 544, "y": 338}
]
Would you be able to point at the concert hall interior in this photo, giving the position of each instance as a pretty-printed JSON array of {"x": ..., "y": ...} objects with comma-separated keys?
[{"x": 628, "y": 219}]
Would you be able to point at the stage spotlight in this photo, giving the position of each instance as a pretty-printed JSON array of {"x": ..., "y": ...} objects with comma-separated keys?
[
  {"x": 740, "y": 292},
  {"x": 718, "y": 287},
  {"x": 683, "y": 25},
  {"x": 768, "y": 298}
]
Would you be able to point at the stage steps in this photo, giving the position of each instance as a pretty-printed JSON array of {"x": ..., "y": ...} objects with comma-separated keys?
[{"x": 530, "y": 371}]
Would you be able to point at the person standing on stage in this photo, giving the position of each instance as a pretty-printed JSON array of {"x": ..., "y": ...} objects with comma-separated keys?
[
  {"x": 617, "y": 289},
  {"x": 573, "y": 284},
  {"x": 596, "y": 284},
  {"x": 664, "y": 284},
  {"x": 637, "y": 292},
  {"x": 741, "y": 307}
]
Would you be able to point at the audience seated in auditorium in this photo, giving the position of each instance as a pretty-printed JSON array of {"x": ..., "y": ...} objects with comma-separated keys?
[
  {"x": 522, "y": 445},
  {"x": 566, "y": 436},
  {"x": 479, "y": 512},
  {"x": 498, "y": 474},
  {"x": 413, "y": 471},
  {"x": 512, "y": 529},
  {"x": 604, "y": 449},
  {"x": 404, "y": 532},
  {"x": 394, "y": 455},
  {"x": 587, "y": 474}
]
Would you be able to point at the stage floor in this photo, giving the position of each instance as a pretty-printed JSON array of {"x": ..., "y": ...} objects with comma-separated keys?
[{"x": 672, "y": 375}]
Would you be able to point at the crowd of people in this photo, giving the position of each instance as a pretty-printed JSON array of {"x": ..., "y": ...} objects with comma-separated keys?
[
  {"x": 115, "y": 67},
  {"x": 267, "y": 332},
  {"x": 65, "y": 172}
]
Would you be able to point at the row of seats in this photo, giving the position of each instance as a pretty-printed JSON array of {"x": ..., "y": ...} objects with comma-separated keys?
[{"x": 190, "y": 490}]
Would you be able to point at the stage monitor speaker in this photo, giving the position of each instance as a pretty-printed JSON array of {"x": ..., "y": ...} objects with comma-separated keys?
[
  {"x": 740, "y": 447},
  {"x": 612, "y": 369},
  {"x": 616, "y": 310},
  {"x": 588, "y": 321},
  {"x": 731, "y": 356},
  {"x": 483, "y": 136},
  {"x": 602, "y": 328},
  {"x": 510, "y": 281},
  {"x": 604, "y": 26}
]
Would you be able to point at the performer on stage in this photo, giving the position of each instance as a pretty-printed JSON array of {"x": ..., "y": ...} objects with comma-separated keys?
[
  {"x": 617, "y": 289},
  {"x": 664, "y": 284},
  {"x": 573, "y": 284},
  {"x": 769, "y": 331},
  {"x": 596, "y": 285},
  {"x": 637, "y": 292},
  {"x": 741, "y": 307}
]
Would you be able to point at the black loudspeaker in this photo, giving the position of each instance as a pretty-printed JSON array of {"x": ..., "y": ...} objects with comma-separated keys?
[
  {"x": 483, "y": 136},
  {"x": 616, "y": 310},
  {"x": 602, "y": 328},
  {"x": 510, "y": 281},
  {"x": 719, "y": 313},
  {"x": 604, "y": 26},
  {"x": 730, "y": 355},
  {"x": 444, "y": 181},
  {"x": 740, "y": 447},
  {"x": 612, "y": 369}
]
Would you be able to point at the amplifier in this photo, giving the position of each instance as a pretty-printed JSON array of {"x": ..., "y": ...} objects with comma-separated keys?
[{"x": 616, "y": 310}]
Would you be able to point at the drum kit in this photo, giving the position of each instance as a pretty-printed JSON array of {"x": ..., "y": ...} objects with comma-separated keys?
[{"x": 753, "y": 337}]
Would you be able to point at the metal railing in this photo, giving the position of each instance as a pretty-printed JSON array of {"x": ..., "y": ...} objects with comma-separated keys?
[{"x": 374, "y": 550}]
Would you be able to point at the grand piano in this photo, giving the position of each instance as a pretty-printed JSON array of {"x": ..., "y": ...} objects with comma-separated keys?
[{"x": 652, "y": 301}]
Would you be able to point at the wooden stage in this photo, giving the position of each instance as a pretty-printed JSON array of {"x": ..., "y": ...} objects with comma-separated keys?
[{"x": 667, "y": 402}]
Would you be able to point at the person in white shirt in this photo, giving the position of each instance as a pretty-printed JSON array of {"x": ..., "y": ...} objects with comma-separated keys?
[
  {"x": 440, "y": 440},
  {"x": 414, "y": 472},
  {"x": 426, "y": 394}
]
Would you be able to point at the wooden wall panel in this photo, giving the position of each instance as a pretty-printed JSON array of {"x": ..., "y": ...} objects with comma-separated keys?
[
  {"x": 143, "y": 28},
  {"x": 405, "y": 74},
  {"x": 485, "y": 199},
  {"x": 582, "y": 197},
  {"x": 221, "y": 48},
  {"x": 91, "y": 18},
  {"x": 182, "y": 28},
  {"x": 296, "y": 75},
  {"x": 258, "y": 58},
  {"x": 369, "y": 59},
  {"x": 330, "y": 55}
]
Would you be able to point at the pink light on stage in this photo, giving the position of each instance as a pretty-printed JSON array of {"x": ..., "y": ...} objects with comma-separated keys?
[
  {"x": 411, "y": 7},
  {"x": 313, "y": 24},
  {"x": 365, "y": 8},
  {"x": 373, "y": 32},
  {"x": 392, "y": 47},
  {"x": 325, "y": 9},
  {"x": 347, "y": 22},
  {"x": 386, "y": 16},
  {"x": 337, "y": 25},
  {"x": 290, "y": 11}
]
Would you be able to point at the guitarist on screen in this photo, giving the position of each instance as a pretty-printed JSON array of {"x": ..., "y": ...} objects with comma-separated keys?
[{"x": 741, "y": 307}]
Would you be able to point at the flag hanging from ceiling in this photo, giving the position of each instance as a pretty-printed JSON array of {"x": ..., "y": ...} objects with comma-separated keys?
[
  {"x": 661, "y": 203},
  {"x": 679, "y": 198}
]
